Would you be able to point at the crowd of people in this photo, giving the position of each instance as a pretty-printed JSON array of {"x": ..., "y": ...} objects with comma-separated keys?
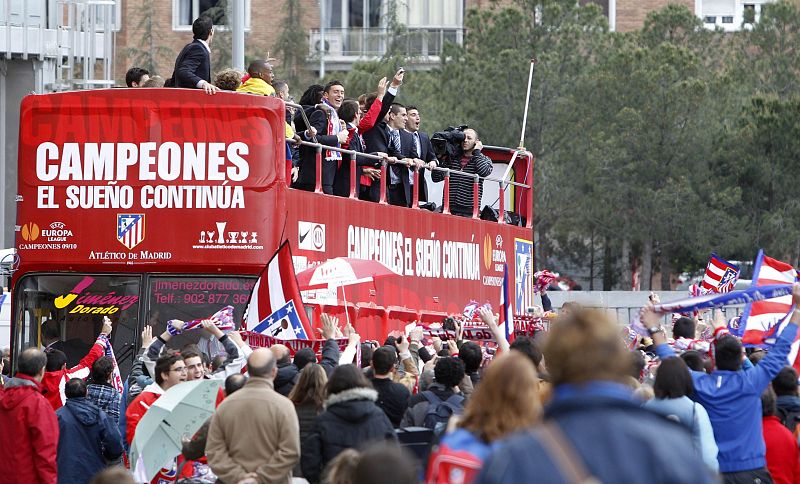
[
  {"x": 372, "y": 123},
  {"x": 579, "y": 402}
]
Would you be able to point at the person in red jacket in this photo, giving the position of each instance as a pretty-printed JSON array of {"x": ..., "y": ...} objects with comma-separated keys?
[
  {"x": 170, "y": 370},
  {"x": 28, "y": 425},
  {"x": 58, "y": 374},
  {"x": 783, "y": 457}
]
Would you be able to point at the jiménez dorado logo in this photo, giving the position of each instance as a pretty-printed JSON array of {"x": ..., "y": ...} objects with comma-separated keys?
[
  {"x": 93, "y": 303},
  {"x": 130, "y": 229}
]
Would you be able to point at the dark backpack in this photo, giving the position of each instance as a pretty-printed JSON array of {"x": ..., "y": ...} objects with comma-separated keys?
[
  {"x": 439, "y": 411},
  {"x": 789, "y": 419}
]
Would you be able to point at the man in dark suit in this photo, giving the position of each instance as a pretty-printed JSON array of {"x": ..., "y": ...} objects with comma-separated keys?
[
  {"x": 401, "y": 147},
  {"x": 325, "y": 126},
  {"x": 422, "y": 143},
  {"x": 193, "y": 65},
  {"x": 385, "y": 138},
  {"x": 406, "y": 170},
  {"x": 376, "y": 139}
]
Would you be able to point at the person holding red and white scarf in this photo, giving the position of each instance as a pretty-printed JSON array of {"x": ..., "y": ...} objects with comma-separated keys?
[
  {"x": 58, "y": 374},
  {"x": 325, "y": 129}
]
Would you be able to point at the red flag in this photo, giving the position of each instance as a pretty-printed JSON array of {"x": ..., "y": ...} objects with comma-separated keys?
[
  {"x": 506, "y": 313},
  {"x": 275, "y": 306},
  {"x": 762, "y": 321},
  {"x": 720, "y": 276}
]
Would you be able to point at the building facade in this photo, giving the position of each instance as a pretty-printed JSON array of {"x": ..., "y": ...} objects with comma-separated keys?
[
  {"x": 728, "y": 15},
  {"x": 45, "y": 46}
]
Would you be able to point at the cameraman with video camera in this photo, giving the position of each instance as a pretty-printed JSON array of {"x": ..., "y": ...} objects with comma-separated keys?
[{"x": 459, "y": 149}]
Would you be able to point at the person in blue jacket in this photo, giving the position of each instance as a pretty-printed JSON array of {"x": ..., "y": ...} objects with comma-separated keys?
[
  {"x": 673, "y": 387},
  {"x": 594, "y": 430},
  {"x": 732, "y": 393},
  {"x": 87, "y": 436}
]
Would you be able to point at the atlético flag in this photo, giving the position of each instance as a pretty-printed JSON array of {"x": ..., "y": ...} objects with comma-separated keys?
[
  {"x": 721, "y": 276},
  {"x": 506, "y": 311},
  {"x": 761, "y": 320},
  {"x": 275, "y": 306}
]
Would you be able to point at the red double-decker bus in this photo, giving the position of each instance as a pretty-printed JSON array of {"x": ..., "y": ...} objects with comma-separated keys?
[{"x": 145, "y": 205}]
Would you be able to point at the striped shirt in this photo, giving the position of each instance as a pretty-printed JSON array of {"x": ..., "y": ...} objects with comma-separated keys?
[{"x": 461, "y": 185}]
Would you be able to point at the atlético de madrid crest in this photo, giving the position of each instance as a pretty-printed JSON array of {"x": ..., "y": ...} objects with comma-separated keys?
[{"x": 130, "y": 229}]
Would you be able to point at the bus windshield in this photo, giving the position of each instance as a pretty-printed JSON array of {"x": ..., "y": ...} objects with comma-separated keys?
[
  {"x": 65, "y": 311},
  {"x": 195, "y": 297}
]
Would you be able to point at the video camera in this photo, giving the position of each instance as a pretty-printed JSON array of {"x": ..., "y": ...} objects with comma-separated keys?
[{"x": 447, "y": 143}]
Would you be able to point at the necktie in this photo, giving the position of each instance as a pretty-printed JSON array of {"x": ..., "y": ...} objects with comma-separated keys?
[
  {"x": 419, "y": 155},
  {"x": 395, "y": 140}
]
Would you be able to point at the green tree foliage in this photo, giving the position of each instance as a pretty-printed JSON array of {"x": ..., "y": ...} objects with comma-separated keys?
[
  {"x": 292, "y": 46},
  {"x": 149, "y": 50},
  {"x": 222, "y": 45},
  {"x": 653, "y": 148}
]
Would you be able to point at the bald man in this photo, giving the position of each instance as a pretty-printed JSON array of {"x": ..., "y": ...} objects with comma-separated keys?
[
  {"x": 262, "y": 446},
  {"x": 260, "y": 80},
  {"x": 288, "y": 373}
]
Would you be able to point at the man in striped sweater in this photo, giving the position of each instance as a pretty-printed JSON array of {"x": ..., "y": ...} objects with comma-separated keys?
[{"x": 471, "y": 161}]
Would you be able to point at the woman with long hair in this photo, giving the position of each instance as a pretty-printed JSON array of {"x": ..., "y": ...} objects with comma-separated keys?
[
  {"x": 673, "y": 387},
  {"x": 308, "y": 396},
  {"x": 350, "y": 420},
  {"x": 507, "y": 400}
]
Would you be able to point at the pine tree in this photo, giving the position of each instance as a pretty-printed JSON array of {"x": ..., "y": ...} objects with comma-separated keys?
[{"x": 148, "y": 52}]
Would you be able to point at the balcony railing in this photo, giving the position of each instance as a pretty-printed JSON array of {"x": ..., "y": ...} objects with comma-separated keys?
[{"x": 373, "y": 42}]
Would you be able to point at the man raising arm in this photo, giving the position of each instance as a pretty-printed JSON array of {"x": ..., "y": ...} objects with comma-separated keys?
[{"x": 731, "y": 395}]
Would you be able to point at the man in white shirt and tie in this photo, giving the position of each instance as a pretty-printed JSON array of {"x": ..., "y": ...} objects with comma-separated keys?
[
  {"x": 401, "y": 147},
  {"x": 424, "y": 149}
]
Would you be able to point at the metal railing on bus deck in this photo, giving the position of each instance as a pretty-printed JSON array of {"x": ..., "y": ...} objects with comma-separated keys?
[{"x": 384, "y": 162}]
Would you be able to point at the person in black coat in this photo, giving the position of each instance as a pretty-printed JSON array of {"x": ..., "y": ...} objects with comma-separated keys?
[
  {"x": 422, "y": 142},
  {"x": 289, "y": 372},
  {"x": 406, "y": 171},
  {"x": 87, "y": 436},
  {"x": 392, "y": 397},
  {"x": 326, "y": 130},
  {"x": 193, "y": 65},
  {"x": 350, "y": 420},
  {"x": 401, "y": 152}
]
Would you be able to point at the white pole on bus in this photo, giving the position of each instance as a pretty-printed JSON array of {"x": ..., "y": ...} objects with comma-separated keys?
[
  {"x": 527, "y": 103},
  {"x": 346, "y": 311},
  {"x": 237, "y": 35}
]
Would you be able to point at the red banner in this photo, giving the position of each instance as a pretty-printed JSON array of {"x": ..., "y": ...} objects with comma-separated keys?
[
  {"x": 258, "y": 340},
  {"x": 479, "y": 332}
]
